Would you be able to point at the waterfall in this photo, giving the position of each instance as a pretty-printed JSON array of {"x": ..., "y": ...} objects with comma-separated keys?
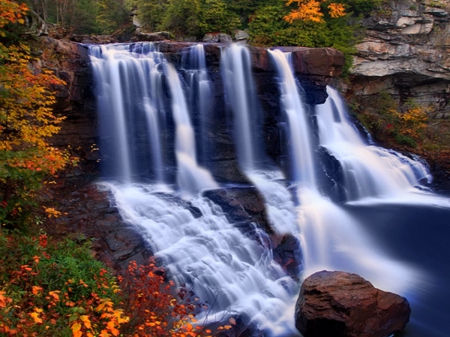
[
  {"x": 299, "y": 128},
  {"x": 200, "y": 93},
  {"x": 122, "y": 74},
  {"x": 155, "y": 126},
  {"x": 239, "y": 88},
  {"x": 191, "y": 177},
  {"x": 369, "y": 170},
  {"x": 230, "y": 267},
  {"x": 330, "y": 238}
]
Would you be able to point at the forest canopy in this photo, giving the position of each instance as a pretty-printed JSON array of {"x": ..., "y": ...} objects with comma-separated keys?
[{"x": 268, "y": 22}]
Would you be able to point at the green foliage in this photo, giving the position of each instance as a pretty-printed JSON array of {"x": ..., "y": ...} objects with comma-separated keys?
[
  {"x": 150, "y": 13},
  {"x": 182, "y": 17},
  {"x": 113, "y": 14},
  {"x": 54, "y": 289},
  {"x": 401, "y": 126},
  {"x": 267, "y": 27},
  {"x": 216, "y": 17},
  {"x": 189, "y": 17},
  {"x": 362, "y": 7}
]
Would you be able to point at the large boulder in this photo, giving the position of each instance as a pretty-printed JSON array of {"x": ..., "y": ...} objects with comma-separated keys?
[{"x": 340, "y": 304}]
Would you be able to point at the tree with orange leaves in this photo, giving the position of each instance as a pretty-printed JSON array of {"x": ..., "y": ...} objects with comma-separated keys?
[
  {"x": 26, "y": 120},
  {"x": 311, "y": 10}
]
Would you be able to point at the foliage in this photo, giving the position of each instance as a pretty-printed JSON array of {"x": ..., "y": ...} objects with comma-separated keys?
[
  {"x": 182, "y": 17},
  {"x": 217, "y": 17},
  {"x": 26, "y": 123},
  {"x": 55, "y": 289},
  {"x": 154, "y": 306},
  {"x": 112, "y": 14},
  {"x": 403, "y": 127},
  {"x": 268, "y": 27},
  {"x": 150, "y": 13},
  {"x": 311, "y": 10}
]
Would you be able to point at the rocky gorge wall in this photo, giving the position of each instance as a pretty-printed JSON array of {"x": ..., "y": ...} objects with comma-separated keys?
[{"x": 405, "y": 52}]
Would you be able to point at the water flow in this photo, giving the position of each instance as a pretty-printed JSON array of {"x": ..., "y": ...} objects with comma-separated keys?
[
  {"x": 235, "y": 272},
  {"x": 239, "y": 88},
  {"x": 330, "y": 238},
  {"x": 231, "y": 268},
  {"x": 191, "y": 177},
  {"x": 200, "y": 95},
  {"x": 128, "y": 83},
  {"x": 240, "y": 92},
  {"x": 369, "y": 170},
  {"x": 299, "y": 128}
]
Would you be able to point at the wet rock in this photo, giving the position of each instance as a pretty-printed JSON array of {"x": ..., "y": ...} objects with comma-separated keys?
[
  {"x": 287, "y": 253},
  {"x": 341, "y": 304},
  {"x": 88, "y": 214}
]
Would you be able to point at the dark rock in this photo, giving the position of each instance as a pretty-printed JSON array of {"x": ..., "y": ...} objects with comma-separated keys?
[
  {"x": 287, "y": 253},
  {"x": 341, "y": 304},
  {"x": 241, "y": 206}
]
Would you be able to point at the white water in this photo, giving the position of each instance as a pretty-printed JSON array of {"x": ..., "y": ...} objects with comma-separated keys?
[
  {"x": 190, "y": 176},
  {"x": 120, "y": 76},
  {"x": 238, "y": 83},
  {"x": 330, "y": 238},
  {"x": 299, "y": 128},
  {"x": 239, "y": 87},
  {"x": 233, "y": 270},
  {"x": 369, "y": 170},
  {"x": 200, "y": 93}
]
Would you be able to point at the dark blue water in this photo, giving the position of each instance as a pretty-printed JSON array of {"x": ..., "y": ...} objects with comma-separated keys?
[{"x": 418, "y": 235}]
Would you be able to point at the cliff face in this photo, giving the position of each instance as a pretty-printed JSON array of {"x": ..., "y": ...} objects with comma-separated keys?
[{"x": 405, "y": 52}]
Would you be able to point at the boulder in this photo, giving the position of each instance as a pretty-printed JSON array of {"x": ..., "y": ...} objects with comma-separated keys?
[{"x": 340, "y": 304}]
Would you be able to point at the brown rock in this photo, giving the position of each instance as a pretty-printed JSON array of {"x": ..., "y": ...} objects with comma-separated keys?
[{"x": 341, "y": 304}]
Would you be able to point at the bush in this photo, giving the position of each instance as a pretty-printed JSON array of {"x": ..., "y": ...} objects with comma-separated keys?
[{"x": 55, "y": 289}]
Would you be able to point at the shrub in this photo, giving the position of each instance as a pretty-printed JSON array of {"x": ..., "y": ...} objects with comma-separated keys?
[{"x": 55, "y": 289}]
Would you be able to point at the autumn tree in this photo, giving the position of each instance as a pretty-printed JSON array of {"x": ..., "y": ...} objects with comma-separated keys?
[
  {"x": 311, "y": 10},
  {"x": 26, "y": 121}
]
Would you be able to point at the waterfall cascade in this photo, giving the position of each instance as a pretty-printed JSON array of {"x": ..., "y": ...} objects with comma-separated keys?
[{"x": 221, "y": 261}]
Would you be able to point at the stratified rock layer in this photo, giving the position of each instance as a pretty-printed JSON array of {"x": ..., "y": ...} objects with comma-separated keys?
[
  {"x": 341, "y": 304},
  {"x": 405, "y": 52}
]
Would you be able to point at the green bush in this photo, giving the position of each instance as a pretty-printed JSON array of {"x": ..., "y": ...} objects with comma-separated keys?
[{"x": 54, "y": 289}]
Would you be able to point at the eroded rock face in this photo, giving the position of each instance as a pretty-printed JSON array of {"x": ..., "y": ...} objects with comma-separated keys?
[
  {"x": 341, "y": 304},
  {"x": 406, "y": 52}
]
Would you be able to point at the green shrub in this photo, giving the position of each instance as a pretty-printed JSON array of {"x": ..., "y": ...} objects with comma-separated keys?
[{"x": 54, "y": 289}]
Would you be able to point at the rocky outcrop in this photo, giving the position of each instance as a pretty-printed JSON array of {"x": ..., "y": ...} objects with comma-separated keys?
[
  {"x": 75, "y": 100},
  {"x": 405, "y": 52},
  {"x": 341, "y": 304}
]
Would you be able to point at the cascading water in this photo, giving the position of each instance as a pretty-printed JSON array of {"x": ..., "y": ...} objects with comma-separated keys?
[
  {"x": 200, "y": 93},
  {"x": 140, "y": 96},
  {"x": 233, "y": 270},
  {"x": 239, "y": 88},
  {"x": 330, "y": 238},
  {"x": 369, "y": 170},
  {"x": 191, "y": 178},
  {"x": 123, "y": 74}
]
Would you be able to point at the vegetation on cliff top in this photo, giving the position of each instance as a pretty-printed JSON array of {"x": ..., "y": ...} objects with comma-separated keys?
[{"x": 308, "y": 23}]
